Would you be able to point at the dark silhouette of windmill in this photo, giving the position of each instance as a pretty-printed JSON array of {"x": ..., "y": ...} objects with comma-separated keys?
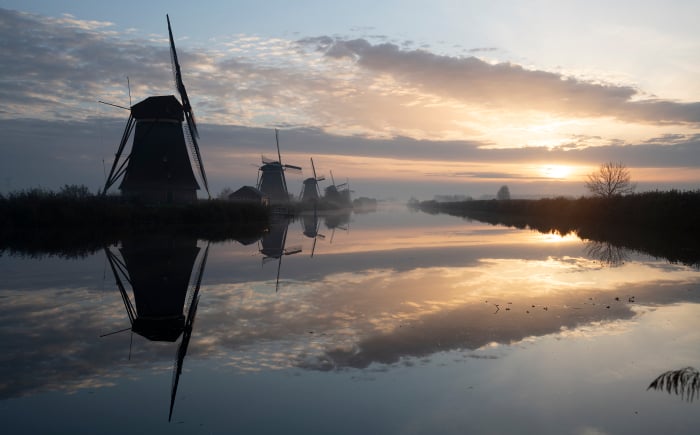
[
  {"x": 158, "y": 168},
  {"x": 338, "y": 194},
  {"x": 272, "y": 245},
  {"x": 310, "y": 191},
  {"x": 271, "y": 179},
  {"x": 158, "y": 269}
]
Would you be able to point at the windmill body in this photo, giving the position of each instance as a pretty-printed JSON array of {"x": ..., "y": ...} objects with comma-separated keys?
[
  {"x": 310, "y": 191},
  {"x": 272, "y": 183},
  {"x": 271, "y": 179},
  {"x": 158, "y": 168}
]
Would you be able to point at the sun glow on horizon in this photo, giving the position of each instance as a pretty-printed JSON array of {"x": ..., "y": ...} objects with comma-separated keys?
[{"x": 555, "y": 171}]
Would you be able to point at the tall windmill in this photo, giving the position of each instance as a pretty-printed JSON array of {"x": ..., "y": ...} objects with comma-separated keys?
[
  {"x": 158, "y": 168},
  {"x": 271, "y": 180},
  {"x": 310, "y": 191}
]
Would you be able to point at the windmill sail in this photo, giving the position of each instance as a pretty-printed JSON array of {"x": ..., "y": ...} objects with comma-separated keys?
[{"x": 193, "y": 133}]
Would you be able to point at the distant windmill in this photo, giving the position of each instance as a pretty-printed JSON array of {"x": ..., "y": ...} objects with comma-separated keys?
[
  {"x": 338, "y": 194},
  {"x": 271, "y": 180},
  {"x": 158, "y": 169},
  {"x": 310, "y": 191}
]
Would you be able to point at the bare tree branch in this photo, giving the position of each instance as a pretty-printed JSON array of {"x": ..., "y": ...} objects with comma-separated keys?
[{"x": 611, "y": 179}]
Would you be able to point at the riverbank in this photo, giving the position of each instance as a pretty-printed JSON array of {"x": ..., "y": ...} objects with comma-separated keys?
[
  {"x": 70, "y": 223},
  {"x": 662, "y": 224}
]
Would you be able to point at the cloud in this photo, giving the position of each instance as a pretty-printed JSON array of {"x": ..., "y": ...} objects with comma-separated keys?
[
  {"x": 410, "y": 112},
  {"x": 506, "y": 85}
]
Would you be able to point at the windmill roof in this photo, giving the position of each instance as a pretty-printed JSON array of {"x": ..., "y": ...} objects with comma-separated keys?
[
  {"x": 159, "y": 107},
  {"x": 246, "y": 192}
]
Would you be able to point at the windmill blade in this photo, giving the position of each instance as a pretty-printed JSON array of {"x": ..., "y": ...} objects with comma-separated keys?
[
  {"x": 313, "y": 247},
  {"x": 277, "y": 140},
  {"x": 187, "y": 334},
  {"x": 197, "y": 156},
  {"x": 292, "y": 250},
  {"x": 294, "y": 169},
  {"x": 114, "y": 265},
  {"x": 332, "y": 179},
  {"x": 115, "y": 172},
  {"x": 313, "y": 168},
  {"x": 189, "y": 115}
]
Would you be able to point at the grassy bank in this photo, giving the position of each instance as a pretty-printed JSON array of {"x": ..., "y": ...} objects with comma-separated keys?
[
  {"x": 663, "y": 224},
  {"x": 74, "y": 222}
]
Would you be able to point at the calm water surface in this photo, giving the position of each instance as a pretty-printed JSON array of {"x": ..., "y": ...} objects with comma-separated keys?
[{"x": 393, "y": 322}]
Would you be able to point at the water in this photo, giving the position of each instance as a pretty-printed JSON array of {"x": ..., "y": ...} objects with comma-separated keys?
[{"x": 399, "y": 323}]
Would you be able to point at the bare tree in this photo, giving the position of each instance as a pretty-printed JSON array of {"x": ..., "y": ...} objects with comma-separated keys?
[{"x": 611, "y": 179}]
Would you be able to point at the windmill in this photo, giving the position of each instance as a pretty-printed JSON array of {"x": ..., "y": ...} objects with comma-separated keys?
[
  {"x": 272, "y": 245},
  {"x": 158, "y": 168},
  {"x": 271, "y": 180},
  {"x": 158, "y": 270},
  {"x": 338, "y": 194},
  {"x": 309, "y": 190}
]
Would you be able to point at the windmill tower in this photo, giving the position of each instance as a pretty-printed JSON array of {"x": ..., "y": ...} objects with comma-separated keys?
[
  {"x": 158, "y": 168},
  {"x": 310, "y": 191},
  {"x": 271, "y": 180}
]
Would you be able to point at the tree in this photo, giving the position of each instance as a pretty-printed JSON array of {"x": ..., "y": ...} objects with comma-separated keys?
[
  {"x": 503, "y": 193},
  {"x": 611, "y": 179},
  {"x": 74, "y": 191}
]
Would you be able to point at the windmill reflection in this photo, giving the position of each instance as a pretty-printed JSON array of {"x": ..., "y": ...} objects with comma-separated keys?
[
  {"x": 339, "y": 219},
  {"x": 310, "y": 224},
  {"x": 158, "y": 269},
  {"x": 607, "y": 253},
  {"x": 272, "y": 244},
  {"x": 684, "y": 382}
]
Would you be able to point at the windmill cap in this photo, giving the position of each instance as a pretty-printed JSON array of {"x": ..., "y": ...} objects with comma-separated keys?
[{"x": 160, "y": 107}]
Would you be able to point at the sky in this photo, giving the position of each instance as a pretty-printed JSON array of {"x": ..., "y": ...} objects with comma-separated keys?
[{"x": 399, "y": 98}]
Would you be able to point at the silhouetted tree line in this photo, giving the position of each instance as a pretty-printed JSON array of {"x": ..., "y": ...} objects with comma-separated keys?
[
  {"x": 663, "y": 224},
  {"x": 74, "y": 222}
]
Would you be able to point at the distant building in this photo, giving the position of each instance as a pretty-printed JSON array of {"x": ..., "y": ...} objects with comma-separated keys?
[{"x": 249, "y": 194}]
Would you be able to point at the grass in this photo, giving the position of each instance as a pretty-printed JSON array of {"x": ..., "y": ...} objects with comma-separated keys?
[{"x": 74, "y": 222}]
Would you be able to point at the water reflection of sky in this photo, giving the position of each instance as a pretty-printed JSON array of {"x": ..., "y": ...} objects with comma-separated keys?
[{"x": 440, "y": 319}]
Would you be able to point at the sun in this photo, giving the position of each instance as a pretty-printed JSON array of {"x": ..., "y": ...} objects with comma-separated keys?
[{"x": 555, "y": 171}]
